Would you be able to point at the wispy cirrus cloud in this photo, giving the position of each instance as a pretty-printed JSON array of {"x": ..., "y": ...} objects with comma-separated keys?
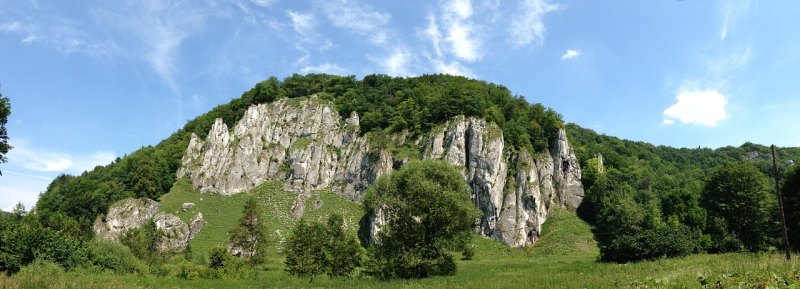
[
  {"x": 358, "y": 18},
  {"x": 732, "y": 11},
  {"x": 302, "y": 23},
  {"x": 329, "y": 68},
  {"x": 527, "y": 25}
]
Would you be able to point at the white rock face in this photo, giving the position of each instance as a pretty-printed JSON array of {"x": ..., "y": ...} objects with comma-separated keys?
[
  {"x": 306, "y": 144},
  {"x": 123, "y": 215},
  {"x": 134, "y": 213},
  {"x": 175, "y": 233}
]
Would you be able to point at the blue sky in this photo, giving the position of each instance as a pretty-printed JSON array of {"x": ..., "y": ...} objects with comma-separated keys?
[{"x": 93, "y": 80}]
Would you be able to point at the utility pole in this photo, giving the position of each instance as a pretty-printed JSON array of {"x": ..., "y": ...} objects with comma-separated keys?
[{"x": 780, "y": 203}]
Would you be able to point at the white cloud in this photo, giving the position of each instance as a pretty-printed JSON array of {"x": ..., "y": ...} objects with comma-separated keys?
[
  {"x": 571, "y": 53},
  {"x": 11, "y": 26},
  {"x": 454, "y": 68},
  {"x": 432, "y": 32},
  {"x": 460, "y": 8},
  {"x": 699, "y": 107},
  {"x": 732, "y": 11},
  {"x": 527, "y": 26},
  {"x": 42, "y": 160},
  {"x": 324, "y": 68},
  {"x": 357, "y": 17},
  {"x": 264, "y": 3},
  {"x": 397, "y": 63},
  {"x": 460, "y": 31},
  {"x": 303, "y": 23},
  {"x": 16, "y": 188}
]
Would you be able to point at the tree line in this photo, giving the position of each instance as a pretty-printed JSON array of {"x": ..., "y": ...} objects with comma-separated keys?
[{"x": 647, "y": 202}]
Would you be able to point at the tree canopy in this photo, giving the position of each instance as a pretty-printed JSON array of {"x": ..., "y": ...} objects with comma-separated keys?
[
  {"x": 428, "y": 212},
  {"x": 5, "y": 111},
  {"x": 639, "y": 196}
]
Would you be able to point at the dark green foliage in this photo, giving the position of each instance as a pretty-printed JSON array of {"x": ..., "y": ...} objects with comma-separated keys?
[
  {"x": 114, "y": 257},
  {"x": 652, "y": 243},
  {"x": 314, "y": 249},
  {"x": 143, "y": 241},
  {"x": 5, "y": 111},
  {"x": 644, "y": 189},
  {"x": 417, "y": 104},
  {"x": 250, "y": 236},
  {"x": 21, "y": 243},
  {"x": 429, "y": 213},
  {"x": 739, "y": 195},
  {"x": 218, "y": 257},
  {"x": 305, "y": 253},
  {"x": 791, "y": 203},
  {"x": 342, "y": 251}
]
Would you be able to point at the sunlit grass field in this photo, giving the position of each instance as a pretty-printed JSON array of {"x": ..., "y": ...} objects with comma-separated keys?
[{"x": 564, "y": 257}]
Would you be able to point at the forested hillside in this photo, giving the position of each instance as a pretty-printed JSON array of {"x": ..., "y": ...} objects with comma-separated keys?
[
  {"x": 647, "y": 201},
  {"x": 386, "y": 104}
]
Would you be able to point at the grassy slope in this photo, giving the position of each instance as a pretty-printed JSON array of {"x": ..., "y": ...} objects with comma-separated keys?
[
  {"x": 222, "y": 213},
  {"x": 565, "y": 257}
]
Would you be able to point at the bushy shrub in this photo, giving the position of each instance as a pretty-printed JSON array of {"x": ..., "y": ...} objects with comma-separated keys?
[
  {"x": 143, "y": 241},
  {"x": 114, "y": 257},
  {"x": 41, "y": 274},
  {"x": 22, "y": 244},
  {"x": 222, "y": 265},
  {"x": 315, "y": 249},
  {"x": 305, "y": 255},
  {"x": 666, "y": 241}
]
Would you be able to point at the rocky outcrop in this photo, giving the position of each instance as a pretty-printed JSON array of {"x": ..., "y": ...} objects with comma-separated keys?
[
  {"x": 175, "y": 233},
  {"x": 305, "y": 144},
  {"x": 566, "y": 172},
  {"x": 123, "y": 215},
  {"x": 134, "y": 213},
  {"x": 196, "y": 225}
]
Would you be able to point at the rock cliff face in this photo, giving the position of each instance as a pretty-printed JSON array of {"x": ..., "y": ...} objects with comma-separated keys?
[
  {"x": 134, "y": 213},
  {"x": 305, "y": 143}
]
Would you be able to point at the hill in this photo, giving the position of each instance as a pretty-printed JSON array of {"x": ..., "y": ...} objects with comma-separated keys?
[{"x": 308, "y": 146}]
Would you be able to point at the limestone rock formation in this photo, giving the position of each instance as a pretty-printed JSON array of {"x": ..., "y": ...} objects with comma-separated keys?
[
  {"x": 123, "y": 215},
  {"x": 187, "y": 206},
  {"x": 134, "y": 213},
  {"x": 305, "y": 144},
  {"x": 175, "y": 233},
  {"x": 196, "y": 225}
]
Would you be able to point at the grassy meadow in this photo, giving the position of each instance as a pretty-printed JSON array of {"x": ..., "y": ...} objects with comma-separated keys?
[{"x": 564, "y": 257}]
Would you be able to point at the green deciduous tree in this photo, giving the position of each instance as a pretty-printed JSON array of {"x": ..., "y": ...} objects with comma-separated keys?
[
  {"x": 305, "y": 255},
  {"x": 428, "y": 213},
  {"x": 5, "y": 111},
  {"x": 315, "y": 249},
  {"x": 791, "y": 203},
  {"x": 739, "y": 195},
  {"x": 250, "y": 236},
  {"x": 342, "y": 251}
]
